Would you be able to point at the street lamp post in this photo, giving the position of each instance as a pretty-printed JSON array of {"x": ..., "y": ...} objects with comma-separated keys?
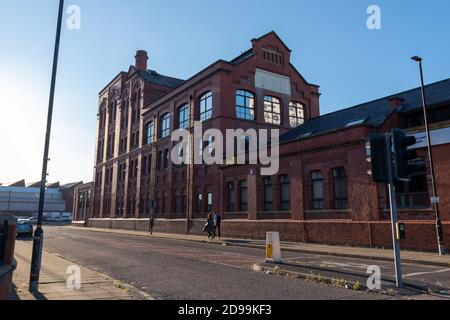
[
  {"x": 38, "y": 239},
  {"x": 439, "y": 230}
]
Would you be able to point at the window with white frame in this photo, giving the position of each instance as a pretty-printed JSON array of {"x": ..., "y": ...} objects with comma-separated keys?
[
  {"x": 272, "y": 110},
  {"x": 296, "y": 114}
]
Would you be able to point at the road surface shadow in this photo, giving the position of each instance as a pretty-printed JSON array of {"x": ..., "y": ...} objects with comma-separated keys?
[{"x": 361, "y": 277}]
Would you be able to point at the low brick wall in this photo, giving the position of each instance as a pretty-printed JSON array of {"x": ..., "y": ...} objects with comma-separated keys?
[
  {"x": 421, "y": 235},
  {"x": 7, "y": 243}
]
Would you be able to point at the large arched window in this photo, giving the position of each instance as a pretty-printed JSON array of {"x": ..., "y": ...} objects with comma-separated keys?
[
  {"x": 183, "y": 116},
  {"x": 272, "y": 110},
  {"x": 102, "y": 115},
  {"x": 136, "y": 107},
  {"x": 206, "y": 106},
  {"x": 112, "y": 112},
  {"x": 296, "y": 114},
  {"x": 165, "y": 126},
  {"x": 124, "y": 112},
  {"x": 245, "y": 105}
]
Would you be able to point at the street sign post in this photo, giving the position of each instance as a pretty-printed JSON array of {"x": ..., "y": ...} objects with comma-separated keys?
[{"x": 394, "y": 216}]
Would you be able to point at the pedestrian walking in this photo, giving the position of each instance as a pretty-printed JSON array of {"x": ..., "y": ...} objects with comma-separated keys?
[
  {"x": 209, "y": 227},
  {"x": 152, "y": 222},
  {"x": 217, "y": 222}
]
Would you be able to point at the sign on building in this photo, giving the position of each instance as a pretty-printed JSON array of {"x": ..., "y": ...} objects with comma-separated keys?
[{"x": 273, "y": 82}]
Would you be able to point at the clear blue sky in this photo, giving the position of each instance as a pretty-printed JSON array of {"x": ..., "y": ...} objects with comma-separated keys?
[{"x": 331, "y": 47}]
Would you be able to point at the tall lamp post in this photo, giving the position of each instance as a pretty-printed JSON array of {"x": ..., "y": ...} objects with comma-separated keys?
[
  {"x": 435, "y": 200},
  {"x": 38, "y": 239}
]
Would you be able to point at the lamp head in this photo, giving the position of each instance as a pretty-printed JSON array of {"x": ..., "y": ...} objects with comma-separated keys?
[{"x": 417, "y": 59}]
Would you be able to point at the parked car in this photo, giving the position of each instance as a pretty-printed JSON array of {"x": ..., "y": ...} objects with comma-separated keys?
[
  {"x": 24, "y": 228},
  {"x": 33, "y": 220}
]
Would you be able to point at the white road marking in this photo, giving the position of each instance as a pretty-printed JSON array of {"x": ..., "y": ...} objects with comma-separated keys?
[
  {"x": 338, "y": 264},
  {"x": 424, "y": 273}
]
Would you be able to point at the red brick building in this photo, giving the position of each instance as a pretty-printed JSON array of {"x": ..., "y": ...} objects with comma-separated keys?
[{"x": 322, "y": 192}]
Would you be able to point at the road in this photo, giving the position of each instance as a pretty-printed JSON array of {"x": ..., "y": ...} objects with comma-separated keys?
[{"x": 174, "y": 269}]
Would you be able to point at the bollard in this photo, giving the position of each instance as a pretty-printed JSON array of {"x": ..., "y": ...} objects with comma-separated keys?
[{"x": 273, "y": 247}]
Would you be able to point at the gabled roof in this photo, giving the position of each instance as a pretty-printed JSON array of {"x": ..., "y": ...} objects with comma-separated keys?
[
  {"x": 175, "y": 83},
  {"x": 70, "y": 185},
  {"x": 20, "y": 183},
  {"x": 34, "y": 184},
  {"x": 374, "y": 113},
  {"x": 53, "y": 185},
  {"x": 276, "y": 35},
  {"x": 153, "y": 77}
]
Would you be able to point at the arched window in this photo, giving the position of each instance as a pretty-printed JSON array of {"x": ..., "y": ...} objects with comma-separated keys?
[
  {"x": 136, "y": 107},
  {"x": 272, "y": 110},
  {"x": 124, "y": 113},
  {"x": 102, "y": 115},
  {"x": 183, "y": 116},
  {"x": 112, "y": 112},
  {"x": 296, "y": 114},
  {"x": 245, "y": 105},
  {"x": 340, "y": 188},
  {"x": 206, "y": 106},
  {"x": 165, "y": 126}
]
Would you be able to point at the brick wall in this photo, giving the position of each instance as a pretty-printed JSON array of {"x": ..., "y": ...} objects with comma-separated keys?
[
  {"x": 6, "y": 261},
  {"x": 421, "y": 235}
]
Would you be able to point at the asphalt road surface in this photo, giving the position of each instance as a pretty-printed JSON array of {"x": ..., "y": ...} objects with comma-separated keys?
[{"x": 174, "y": 269}]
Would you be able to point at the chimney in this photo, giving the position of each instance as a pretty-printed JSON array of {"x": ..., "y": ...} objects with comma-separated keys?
[
  {"x": 141, "y": 60},
  {"x": 396, "y": 102}
]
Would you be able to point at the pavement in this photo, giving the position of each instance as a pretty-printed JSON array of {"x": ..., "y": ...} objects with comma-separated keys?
[{"x": 56, "y": 275}]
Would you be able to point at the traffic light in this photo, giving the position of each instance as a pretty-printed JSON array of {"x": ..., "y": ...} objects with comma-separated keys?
[
  {"x": 403, "y": 168},
  {"x": 378, "y": 158}
]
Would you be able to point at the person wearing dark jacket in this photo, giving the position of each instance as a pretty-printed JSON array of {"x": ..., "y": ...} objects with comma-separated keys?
[
  {"x": 217, "y": 221},
  {"x": 209, "y": 227}
]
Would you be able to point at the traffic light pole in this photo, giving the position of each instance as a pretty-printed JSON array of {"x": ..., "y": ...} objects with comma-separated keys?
[
  {"x": 439, "y": 230},
  {"x": 38, "y": 239},
  {"x": 394, "y": 216}
]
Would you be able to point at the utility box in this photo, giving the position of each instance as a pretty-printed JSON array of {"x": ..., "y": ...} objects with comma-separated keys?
[
  {"x": 401, "y": 231},
  {"x": 7, "y": 242},
  {"x": 273, "y": 247}
]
